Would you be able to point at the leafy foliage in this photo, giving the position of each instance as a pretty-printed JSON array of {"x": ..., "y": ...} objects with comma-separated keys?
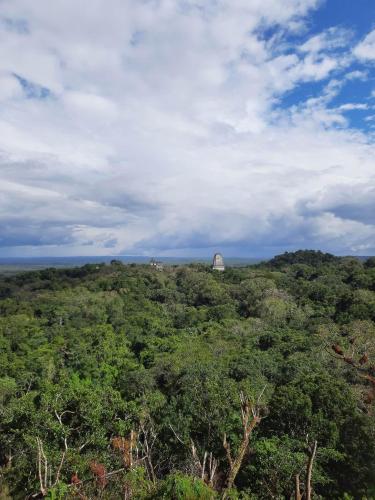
[{"x": 123, "y": 380}]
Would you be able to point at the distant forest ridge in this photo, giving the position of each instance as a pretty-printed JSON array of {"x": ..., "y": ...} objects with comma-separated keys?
[
  {"x": 35, "y": 263},
  {"x": 12, "y": 265}
]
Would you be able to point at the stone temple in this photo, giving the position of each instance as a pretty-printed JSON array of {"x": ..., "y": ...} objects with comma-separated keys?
[{"x": 218, "y": 262}]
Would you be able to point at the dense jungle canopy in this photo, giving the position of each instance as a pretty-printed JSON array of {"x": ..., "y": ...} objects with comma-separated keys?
[{"x": 123, "y": 381}]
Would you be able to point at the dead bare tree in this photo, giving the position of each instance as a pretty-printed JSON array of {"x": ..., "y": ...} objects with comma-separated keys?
[
  {"x": 207, "y": 466},
  {"x": 45, "y": 469},
  {"x": 360, "y": 362},
  {"x": 309, "y": 468},
  {"x": 147, "y": 440},
  {"x": 298, "y": 495},
  {"x": 250, "y": 418},
  {"x": 127, "y": 447},
  {"x": 42, "y": 468},
  {"x": 135, "y": 450},
  {"x": 137, "y": 447},
  {"x": 312, "y": 453}
]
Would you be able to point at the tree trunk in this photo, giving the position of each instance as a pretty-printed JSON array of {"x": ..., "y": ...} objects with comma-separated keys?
[
  {"x": 250, "y": 416},
  {"x": 298, "y": 490},
  {"x": 236, "y": 464},
  {"x": 309, "y": 471}
]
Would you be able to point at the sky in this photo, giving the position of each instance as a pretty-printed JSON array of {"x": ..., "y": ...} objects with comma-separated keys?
[{"x": 184, "y": 127}]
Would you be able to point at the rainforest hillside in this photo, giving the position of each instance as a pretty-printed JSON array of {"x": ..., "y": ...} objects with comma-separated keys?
[{"x": 123, "y": 381}]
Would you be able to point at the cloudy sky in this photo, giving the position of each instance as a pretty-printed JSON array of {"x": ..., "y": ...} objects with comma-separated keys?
[{"x": 179, "y": 127}]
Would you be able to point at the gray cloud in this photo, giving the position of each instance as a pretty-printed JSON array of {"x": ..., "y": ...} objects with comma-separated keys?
[{"x": 354, "y": 202}]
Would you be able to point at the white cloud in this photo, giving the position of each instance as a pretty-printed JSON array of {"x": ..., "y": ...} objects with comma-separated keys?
[
  {"x": 164, "y": 129},
  {"x": 350, "y": 106},
  {"x": 365, "y": 50},
  {"x": 94, "y": 106},
  {"x": 353, "y": 75},
  {"x": 330, "y": 39},
  {"x": 9, "y": 87}
]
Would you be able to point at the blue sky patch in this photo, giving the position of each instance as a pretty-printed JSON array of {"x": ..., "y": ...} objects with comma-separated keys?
[{"x": 33, "y": 90}]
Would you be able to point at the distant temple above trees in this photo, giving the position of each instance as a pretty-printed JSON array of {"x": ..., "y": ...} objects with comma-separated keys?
[
  {"x": 156, "y": 264},
  {"x": 218, "y": 262}
]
